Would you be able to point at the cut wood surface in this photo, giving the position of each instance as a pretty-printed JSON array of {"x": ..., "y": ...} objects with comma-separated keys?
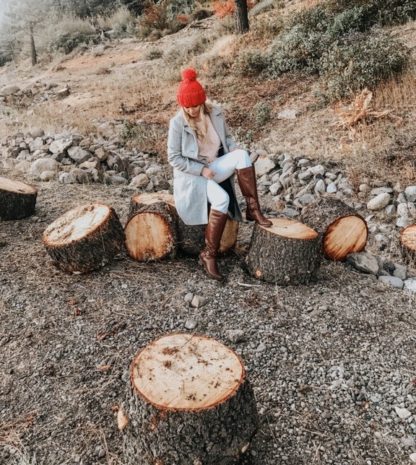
[
  {"x": 343, "y": 230},
  {"x": 190, "y": 403},
  {"x": 151, "y": 231},
  {"x": 288, "y": 252},
  {"x": 408, "y": 244},
  {"x": 17, "y": 199},
  {"x": 85, "y": 238}
]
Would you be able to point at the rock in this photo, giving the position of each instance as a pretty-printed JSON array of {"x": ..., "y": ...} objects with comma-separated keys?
[
  {"x": 320, "y": 187},
  {"x": 410, "y": 284},
  {"x": 59, "y": 146},
  {"x": 318, "y": 169},
  {"x": 400, "y": 271},
  {"x": 304, "y": 162},
  {"x": 381, "y": 240},
  {"x": 78, "y": 155},
  {"x": 402, "y": 413},
  {"x": 139, "y": 181},
  {"x": 118, "y": 180},
  {"x": 331, "y": 188},
  {"x": 381, "y": 190},
  {"x": 67, "y": 178},
  {"x": 403, "y": 221},
  {"x": 153, "y": 170},
  {"x": 43, "y": 164},
  {"x": 82, "y": 176},
  {"x": 190, "y": 324},
  {"x": 198, "y": 301},
  {"x": 410, "y": 193},
  {"x": 91, "y": 164},
  {"x": 62, "y": 93},
  {"x": 379, "y": 202},
  {"x": 392, "y": 281},
  {"x": 235, "y": 335},
  {"x": 288, "y": 113},
  {"x": 264, "y": 165},
  {"x": 188, "y": 297},
  {"x": 305, "y": 175},
  {"x": 402, "y": 210},
  {"x": 306, "y": 199},
  {"x": 8, "y": 163},
  {"x": 23, "y": 166},
  {"x": 364, "y": 188},
  {"x": 408, "y": 441},
  {"x": 37, "y": 132},
  {"x": 275, "y": 188},
  {"x": 290, "y": 212},
  {"x": 9, "y": 90},
  {"x": 101, "y": 154},
  {"x": 390, "y": 210},
  {"x": 47, "y": 175},
  {"x": 364, "y": 262}
]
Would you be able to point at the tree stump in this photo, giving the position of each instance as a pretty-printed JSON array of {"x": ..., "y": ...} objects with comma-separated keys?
[
  {"x": 85, "y": 238},
  {"x": 189, "y": 403},
  {"x": 408, "y": 244},
  {"x": 288, "y": 252},
  {"x": 151, "y": 231},
  {"x": 343, "y": 230},
  {"x": 17, "y": 199},
  {"x": 192, "y": 238}
]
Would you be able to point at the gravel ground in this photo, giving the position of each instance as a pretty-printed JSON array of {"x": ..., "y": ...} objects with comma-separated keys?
[{"x": 332, "y": 363}]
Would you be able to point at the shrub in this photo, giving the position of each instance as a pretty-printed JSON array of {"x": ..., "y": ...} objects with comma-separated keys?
[
  {"x": 201, "y": 14},
  {"x": 262, "y": 113},
  {"x": 251, "y": 63},
  {"x": 68, "y": 42},
  {"x": 154, "y": 54},
  {"x": 158, "y": 17},
  {"x": 361, "y": 60}
]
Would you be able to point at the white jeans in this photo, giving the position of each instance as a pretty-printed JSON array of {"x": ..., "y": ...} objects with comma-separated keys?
[{"x": 224, "y": 167}]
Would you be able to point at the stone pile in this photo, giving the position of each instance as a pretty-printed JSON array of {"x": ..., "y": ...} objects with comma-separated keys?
[{"x": 71, "y": 159}]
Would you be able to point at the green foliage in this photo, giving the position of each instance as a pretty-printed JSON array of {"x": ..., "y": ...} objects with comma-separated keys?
[
  {"x": 65, "y": 43},
  {"x": 262, "y": 113},
  {"x": 362, "y": 60},
  {"x": 154, "y": 54},
  {"x": 251, "y": 63}
]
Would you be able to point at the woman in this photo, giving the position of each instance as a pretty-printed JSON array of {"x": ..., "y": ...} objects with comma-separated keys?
[{"x": 205, "y": 157}]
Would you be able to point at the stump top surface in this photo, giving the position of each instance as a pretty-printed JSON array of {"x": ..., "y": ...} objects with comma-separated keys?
[
  {"x": 344, "y": 236},
  {"x": 291, "y": 229},
  {"x": 16, "y": 186},
  {"x": 76, "y": 224},
  {"x": 154, "y": 197},
  {"x": 184, "y": 372},
  {"x": 408, "y": 237}
]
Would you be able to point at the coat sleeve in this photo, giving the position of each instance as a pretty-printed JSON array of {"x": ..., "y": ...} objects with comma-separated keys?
[{"x": 175, "y": 157}]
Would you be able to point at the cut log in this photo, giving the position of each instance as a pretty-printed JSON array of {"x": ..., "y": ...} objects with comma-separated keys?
[
  {"x": 192, "y": 238},
  {"x": 288, "y": 252},
  {"x": 343, "y": 230},
  {"x": 189, "y": 403},
  {"x": 408, "y": 244},
  {"x": 151, "y": 231},
  {"x": 85, "y": 238},
  {"x": 17, "y": 199}
]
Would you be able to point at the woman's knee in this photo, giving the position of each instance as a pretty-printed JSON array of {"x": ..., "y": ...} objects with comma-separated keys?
[{"x": 244, "y": 160}]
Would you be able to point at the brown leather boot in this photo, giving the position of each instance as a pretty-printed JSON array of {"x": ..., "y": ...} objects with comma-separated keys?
[
  {"x": 248, "y": 185},
  {"x": 213, "y": 234}
]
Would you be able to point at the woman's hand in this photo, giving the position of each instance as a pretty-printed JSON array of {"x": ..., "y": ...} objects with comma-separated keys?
[{"x": 207, "y": 173}]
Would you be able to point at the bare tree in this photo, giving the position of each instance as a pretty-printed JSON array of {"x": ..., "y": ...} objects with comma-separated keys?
[{"x": 241, "y": 17}]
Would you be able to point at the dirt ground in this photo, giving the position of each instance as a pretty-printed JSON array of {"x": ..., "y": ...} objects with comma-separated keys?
[{"x": 67, "y": 342}]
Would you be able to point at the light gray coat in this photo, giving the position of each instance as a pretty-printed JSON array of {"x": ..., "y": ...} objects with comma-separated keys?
[{"x": 189, "y": 187}]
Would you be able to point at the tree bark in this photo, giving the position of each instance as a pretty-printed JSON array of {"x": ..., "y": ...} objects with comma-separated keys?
[
  {"x": 241, "y": 16},
  {"x": 85, "y": 238},
  {"x": 17, "y": 199},
  {"x": 189, "y": 403},
  {"x": 342, "y": 229},
  {"x": 289, "y": 252},
  {"x": 33, "y": 52}
]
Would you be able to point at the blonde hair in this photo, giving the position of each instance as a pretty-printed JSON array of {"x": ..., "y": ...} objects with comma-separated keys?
[{"x": 199, "y": 128}]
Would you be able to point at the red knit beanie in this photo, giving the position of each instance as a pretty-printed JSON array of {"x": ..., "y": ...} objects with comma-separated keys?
[{"x": 190, "y": 92}]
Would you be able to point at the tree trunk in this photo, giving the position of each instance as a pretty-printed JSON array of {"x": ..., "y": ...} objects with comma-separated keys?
[
  {"x": 189, "y": 403},
  {"x": 343, "y": 230},
  {"x": 17, "y": 199},
  {"x": 289, "y": 252},
  {"x": 33, "y": 53},
  {"x": 241, "y": 16},
  {"x": 85, "y": 238},
  {"x": 408, "y": 244},
  {"x": 192, "y": 238},
  {"x": 151, "y": 231}
]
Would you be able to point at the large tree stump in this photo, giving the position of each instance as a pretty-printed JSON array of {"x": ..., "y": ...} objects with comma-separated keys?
[
  {"x": 288, "y": 252},
  {"x": 343, "y": 230},
  {"x": 189, "y": 403},
  {"x": 192, "y": 238},
  {"x": 17, "y": 199},
  {"x": 408, "y": 244},
  {"x": 151, "y": 231},
  {"x": 85, "y": 238}
]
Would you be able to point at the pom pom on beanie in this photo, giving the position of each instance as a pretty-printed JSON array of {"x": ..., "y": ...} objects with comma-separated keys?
[{"x": 190, "y": 92}]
